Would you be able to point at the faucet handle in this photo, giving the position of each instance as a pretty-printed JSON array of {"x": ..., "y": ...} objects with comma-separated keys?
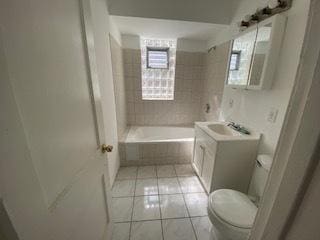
[{"x": 231, "y": 124}]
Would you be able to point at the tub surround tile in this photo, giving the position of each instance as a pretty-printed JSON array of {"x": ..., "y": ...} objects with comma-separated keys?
[
  {"x": 146, "y": 208},
  {"x": 169, "y": 186},
  {"x": 166, "y": 171},
  {"x": 184, "y": 170},
  {"x": 146, "y": 230},
  {"x": 121, "y": 231},
  {"x": 189, "y": 78},
  {"x": 178, "y": 229},
  {"x": 161, "y": 150},
  {"x": 123, "y": 188},
  {"x": 197, "y": 204},
  {"x": 173, "y": 149},
  {"x": 173, "y": 206},
  {"x": 127, "y": 173},
  {"x": 122, "y": 209},
  {"x": 148, "y": 186},
  {"x": 202, "y": 227},
  {"x": 190, "y": 184},
  {"x": 147, "y": 172}
]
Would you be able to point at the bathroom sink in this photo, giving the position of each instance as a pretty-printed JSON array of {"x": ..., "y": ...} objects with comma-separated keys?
[{"x": 222, "y": 129}]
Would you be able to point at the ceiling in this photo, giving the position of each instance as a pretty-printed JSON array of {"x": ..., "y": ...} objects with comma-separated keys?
[
  {"x": 207, "y": 11},
  {"x": 160, "y": 28}
]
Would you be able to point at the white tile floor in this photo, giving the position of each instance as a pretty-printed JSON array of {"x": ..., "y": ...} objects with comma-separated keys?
[{"x": 159, "y": 202}]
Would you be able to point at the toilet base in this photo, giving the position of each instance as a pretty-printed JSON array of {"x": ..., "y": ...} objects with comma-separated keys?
[
  {"x": 223, "y": 231},
  {"x": 214, "y": 234}
]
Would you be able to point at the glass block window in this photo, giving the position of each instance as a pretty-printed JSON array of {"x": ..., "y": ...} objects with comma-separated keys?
[{"x": 158, "y": 62}]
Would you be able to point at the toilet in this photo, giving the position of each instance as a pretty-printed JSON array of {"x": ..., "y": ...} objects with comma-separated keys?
[{"x": 231, "y": 212}]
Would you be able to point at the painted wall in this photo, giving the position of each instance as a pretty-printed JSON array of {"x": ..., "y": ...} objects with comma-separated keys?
[
  {"x": 306, "y": 222},
  {"x": 186, "y": 45},
  {"x": 119, "y": 87},
  {"x": 251, "y": 108}
]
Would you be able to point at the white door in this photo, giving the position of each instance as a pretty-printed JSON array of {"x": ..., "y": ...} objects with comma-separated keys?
[{"x": 54, "y": 177}]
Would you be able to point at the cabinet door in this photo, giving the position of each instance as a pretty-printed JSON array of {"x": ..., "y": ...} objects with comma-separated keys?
[
  {"x": 207, "y": 171},
  {"x": 198, "y": 157}
]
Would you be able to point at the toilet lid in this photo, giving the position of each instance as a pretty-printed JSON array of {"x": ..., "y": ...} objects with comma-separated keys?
[{"x": 233, "y": 207}]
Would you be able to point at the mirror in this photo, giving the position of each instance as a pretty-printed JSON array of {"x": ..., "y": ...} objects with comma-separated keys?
[
  {"x": 240, "y": 59},
  {"x": 260, "y": 54}
]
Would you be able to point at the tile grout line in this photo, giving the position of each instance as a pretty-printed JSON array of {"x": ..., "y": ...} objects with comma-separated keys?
[
  {"x": 159, "y": 195},
  {"x": 134, "y": 193},
  {"x": 194, "y": 231},
  {"x": 159, "y": 203}
]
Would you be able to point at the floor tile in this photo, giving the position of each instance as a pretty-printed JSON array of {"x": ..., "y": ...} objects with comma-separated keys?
[
  {"x": 121, "y": 231},
  {"x": 127, "y": 173},
  {"x": 148, "y": 186},
  {"x": 202, "y": 227},
  {"x": 147, "y": 172},
  {"x": 146, "y": 208},
  {"x": 197, "y": 204},
  {"x": 190, "y": 184},
  {"x": 184, "y": 170},
  {"x": 122, "y": 209},
  {"x": 173, "y": 206},
  {"x": 169, "y": 186},
  {"x": 178, "y": 229},
  {"x": 123, "y": 188},
  {"x": 166, "y": 171},
  {"x": 146, "y": 230}
]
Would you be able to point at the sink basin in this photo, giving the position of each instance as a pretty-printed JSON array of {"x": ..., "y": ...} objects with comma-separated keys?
[
  {"x": 222, "y": 129},
  {"x": 219, "y": 131}
]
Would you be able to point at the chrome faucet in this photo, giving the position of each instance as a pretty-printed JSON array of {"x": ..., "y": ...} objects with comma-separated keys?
[{"x": 238, "y": 128}]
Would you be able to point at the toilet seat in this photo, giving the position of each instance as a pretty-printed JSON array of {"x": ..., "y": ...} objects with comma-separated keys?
[{"x": 233, "y": 208}]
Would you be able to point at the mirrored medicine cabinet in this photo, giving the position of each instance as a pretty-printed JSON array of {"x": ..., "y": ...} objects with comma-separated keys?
[{"x": 254, "y": 53}]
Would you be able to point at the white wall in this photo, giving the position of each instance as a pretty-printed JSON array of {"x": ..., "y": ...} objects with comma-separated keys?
[
  {"x": 186, "y": 45},
  {"x": 251, "y": 108},
  {"x": 189, "y": 45},
  {"x": 114, "y": 31}
]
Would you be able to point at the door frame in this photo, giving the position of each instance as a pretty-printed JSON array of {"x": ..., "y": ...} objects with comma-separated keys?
[{"x": 294, "y": 158}]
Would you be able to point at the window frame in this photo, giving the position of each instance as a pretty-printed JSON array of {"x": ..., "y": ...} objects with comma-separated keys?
[
  {"x": 238, "y": 54},
  {"x": 159, "y": 49}
]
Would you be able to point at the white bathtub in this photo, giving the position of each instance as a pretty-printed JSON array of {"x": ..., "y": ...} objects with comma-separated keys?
[
  {"x": 155, "y": 145},
  {"x": 143, "y": 134}
]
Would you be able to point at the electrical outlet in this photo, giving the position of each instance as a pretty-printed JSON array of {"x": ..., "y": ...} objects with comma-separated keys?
[{"x": 272, "y": 116}]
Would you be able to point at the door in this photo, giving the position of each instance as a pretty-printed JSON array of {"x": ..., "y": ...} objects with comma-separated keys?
[{"x": 54, "y": 177}]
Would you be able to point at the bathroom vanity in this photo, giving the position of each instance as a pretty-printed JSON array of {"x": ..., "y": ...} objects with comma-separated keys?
[{"x": 223, "y": 157}]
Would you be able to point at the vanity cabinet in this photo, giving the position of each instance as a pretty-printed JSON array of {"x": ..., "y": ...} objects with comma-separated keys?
[
  {"x": 204, "y": 155},
  {"x": 254, "y": 54},
  {"x": 223, "y": 163}
]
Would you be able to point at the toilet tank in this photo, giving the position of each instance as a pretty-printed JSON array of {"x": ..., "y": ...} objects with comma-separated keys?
[{"x": 259, "y": 177}]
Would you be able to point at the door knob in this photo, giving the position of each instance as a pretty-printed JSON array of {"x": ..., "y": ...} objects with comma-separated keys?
[{"x": 106, "y": 148}]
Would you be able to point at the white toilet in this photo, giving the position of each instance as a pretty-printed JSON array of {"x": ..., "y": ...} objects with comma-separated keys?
[{"x": 231, "y": 212}]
